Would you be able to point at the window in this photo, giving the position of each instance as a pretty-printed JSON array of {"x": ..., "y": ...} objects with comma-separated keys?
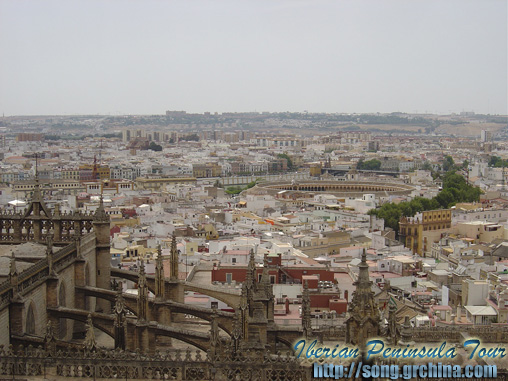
[
  {"x": 229, "y": 278},
  {"x": 30, "y": 320},
  {"x": 233, "y": 260}
]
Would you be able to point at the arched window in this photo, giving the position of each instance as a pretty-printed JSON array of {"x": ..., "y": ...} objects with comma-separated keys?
[
  {"x": 30, "y": 320},
  {"x": 62, "y": 323}
]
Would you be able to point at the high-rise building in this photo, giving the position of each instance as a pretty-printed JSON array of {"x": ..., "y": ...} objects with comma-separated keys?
[{"x": 486, "y": 136}]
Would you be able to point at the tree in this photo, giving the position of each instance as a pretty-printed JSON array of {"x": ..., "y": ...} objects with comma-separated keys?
[
  {"x": 288, "y": 159},
  {"x": 155, "y": 147},
  {"x": 427, "y": 166},
  {"x": 234, "y": 190},
  {"x": 496, "y": 161},
  {"x": 455, "y": 189},
  {"x": 369, "y": 165},
  {"x": 445, "y": 198},
  {"x": 448, "y": 163},
  {"x": 190, "y": 138},
  {"x": 238, "y": 190}
]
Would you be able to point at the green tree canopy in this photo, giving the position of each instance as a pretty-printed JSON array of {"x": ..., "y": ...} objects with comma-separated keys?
[
  {"x": 448, "y": 163},
  {"x": 289, "y": 161},
  {"x": 155, "y": 147},
  {"x": 370, "y": 165},
  {"x": 496, "y": 161},
  {"x": 455, "y": 189}
]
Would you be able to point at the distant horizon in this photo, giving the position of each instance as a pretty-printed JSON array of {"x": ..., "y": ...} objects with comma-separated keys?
[
  {"x": 219, "y": 113},
  {"x": 117, "y": 57}
]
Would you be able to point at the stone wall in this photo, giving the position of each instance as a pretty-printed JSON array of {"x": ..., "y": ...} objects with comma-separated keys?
[
  {"x": 39, "y": 286},
  {"x": 37, "y": 298},
  {"x": 4, "y": 327}
]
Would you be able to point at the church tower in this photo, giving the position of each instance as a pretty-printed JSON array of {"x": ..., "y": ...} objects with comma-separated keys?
[{"x": 363, "y": 321}]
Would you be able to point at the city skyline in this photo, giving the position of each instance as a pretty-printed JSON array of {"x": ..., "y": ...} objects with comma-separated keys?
[{"x": 112, "y": 58}]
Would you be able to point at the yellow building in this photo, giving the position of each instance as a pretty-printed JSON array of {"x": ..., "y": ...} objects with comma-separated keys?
[
  {"x": 412, "y": 229},
  {"x": 315, "y": 169},
  {"x": 207, "y": 231},
  {"x": 103, "y": 171},
  {"x": 206, "y": 170}
]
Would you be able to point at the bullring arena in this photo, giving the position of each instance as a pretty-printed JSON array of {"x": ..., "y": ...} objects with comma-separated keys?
[{"x": 336, "y": 188}]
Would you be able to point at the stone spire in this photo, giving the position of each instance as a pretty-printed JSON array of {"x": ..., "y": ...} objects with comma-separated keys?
[
  {"x": 306, "y": 318},
  {"x": 100, "y": 213},
  {"x": 265, "y": 278},
  {"x": 264, "y": 292},
  {"x": 392, "y": 331},
  {"x": 363, "y": 311},
  {"x": 36, "y": 197},
  {"x": 249, "y": 286},
  {"x": 237, "y": 333},
  {"x": 214, "y": 333},
  {"x": 13, "y": 272},
  {"x": 159, "y": 275},
  {"x": 251, "y": 270},
  {"x": 13, "y": 277},
  {"x": 244, "y": 311},
  {"x": 142, "y": 293},
  {"x": 49, "y": 338},
  {"x": 173, "y": 275},
  {"x": 37, "y": 206},
  {"x": 363, "y": 284},
  {"x": 120, "y": 323},
  {"x": 406, "y": 335},
  {"x": 90, "y": 342}
]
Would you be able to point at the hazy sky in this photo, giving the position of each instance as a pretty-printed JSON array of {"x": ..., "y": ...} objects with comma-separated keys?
[{"x": 147, "y": 56}]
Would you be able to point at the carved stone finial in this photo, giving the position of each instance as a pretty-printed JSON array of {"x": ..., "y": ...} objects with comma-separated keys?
[
  {"x": 100, "y": 214},
  {"x": 49, "y": 256},
  {"x": 90, "y": 342},
  {"x": 120, "y": 323},
  {"x": 159, "y": 275},
  {"x": 142, "y": 294},
  {"x": 173, "y": 275},
  {"x": 405, "y": 335},
  {"x": 49, "y": 338},
  {"x": 12, "y": 266},
  {"x": 237, "y": 333},
  {"x": 214, "y": 331},
  {"x": 363, "y": 312}
]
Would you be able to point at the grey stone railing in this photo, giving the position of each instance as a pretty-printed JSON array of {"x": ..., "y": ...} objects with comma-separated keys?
[{"x": 175, "y": 365}]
